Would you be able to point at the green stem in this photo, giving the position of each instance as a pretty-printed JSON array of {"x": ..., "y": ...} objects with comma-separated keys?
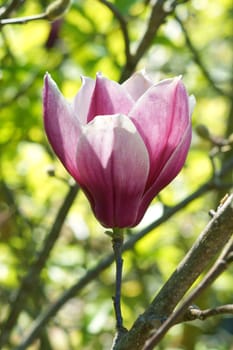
[{"x": 117, "y": 244}]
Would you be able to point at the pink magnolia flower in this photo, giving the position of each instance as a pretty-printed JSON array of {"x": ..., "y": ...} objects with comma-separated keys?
[{"x": 121, "y": 143}]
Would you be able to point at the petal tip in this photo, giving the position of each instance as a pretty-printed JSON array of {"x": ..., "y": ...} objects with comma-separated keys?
[
  {"x": 50, "y": 84},
  {"x": 47, "y": 77},
  {"x": 99, "y": 75},
  {"x": 192, "y": 104}
]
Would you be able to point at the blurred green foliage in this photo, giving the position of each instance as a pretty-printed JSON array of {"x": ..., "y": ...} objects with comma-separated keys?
[{"x": 89, "y": 39}]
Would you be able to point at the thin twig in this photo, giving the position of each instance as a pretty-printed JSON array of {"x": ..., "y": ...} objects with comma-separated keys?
[
  {"x": 157, "y": 17},
  {"x": 123, "y": 25},
  {"x": 199, "y": 61},
  {"x": 22, "y": 20},
  {"x": 10, "y": 200},
  {"x": 194, "y": 313},
  {"x": 220, "y": 266},
  {"x": 51, "y": 310},
  {"x": 52, "y": 12},
  {"x": 20, "y": 91}
]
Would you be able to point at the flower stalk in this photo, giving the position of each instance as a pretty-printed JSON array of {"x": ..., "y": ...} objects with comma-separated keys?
[
  {"x": 117, "y": 243},
  {"x": 117, "y": 236}
]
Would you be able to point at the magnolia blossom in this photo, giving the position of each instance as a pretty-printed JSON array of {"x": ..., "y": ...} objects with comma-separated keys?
[{"x": 122, "y": 143}]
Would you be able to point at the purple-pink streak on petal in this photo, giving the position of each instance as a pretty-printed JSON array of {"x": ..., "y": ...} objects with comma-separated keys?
[
  {"x": 113, "y": 165},
  {"x": 61, "y": 125},
  {"x": 108, "y": 98},
  {"x": 169, "y": 171},
  {"x": 162, "y": 117}
]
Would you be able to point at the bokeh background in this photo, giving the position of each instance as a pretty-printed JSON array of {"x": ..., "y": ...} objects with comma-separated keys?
[{"x": 195, "y": 41}]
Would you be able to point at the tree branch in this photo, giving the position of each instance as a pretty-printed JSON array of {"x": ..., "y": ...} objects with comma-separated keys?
[
  {"x": 208, "y": 244},
  {"x": 220, "y": 265}
]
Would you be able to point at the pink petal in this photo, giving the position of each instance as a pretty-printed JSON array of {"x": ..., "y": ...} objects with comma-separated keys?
[
  {"x": 137, "y": 84},
  {"x": 108, "y": 98},
  {"x": 161, "y": 116},
  {"x": 169, "y": 171},
  {"x": 82, "y": 100},
  {"x": 61, "y": 125},
  {"x": 113, "y": 167}
]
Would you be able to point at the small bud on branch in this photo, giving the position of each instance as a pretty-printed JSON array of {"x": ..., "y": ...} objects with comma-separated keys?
[{"x": 57, "y": 9}]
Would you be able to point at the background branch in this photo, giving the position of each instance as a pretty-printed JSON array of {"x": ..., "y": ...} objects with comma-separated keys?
[
  {"x": 20, "y": 91},
  {"x": 13, "y": 6},
  {"x": 199, "y": 61},
  {"x": 157, "y": 17},
  {"x": 36, "y": 267},
  {"x": 123, "y": 25}
]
